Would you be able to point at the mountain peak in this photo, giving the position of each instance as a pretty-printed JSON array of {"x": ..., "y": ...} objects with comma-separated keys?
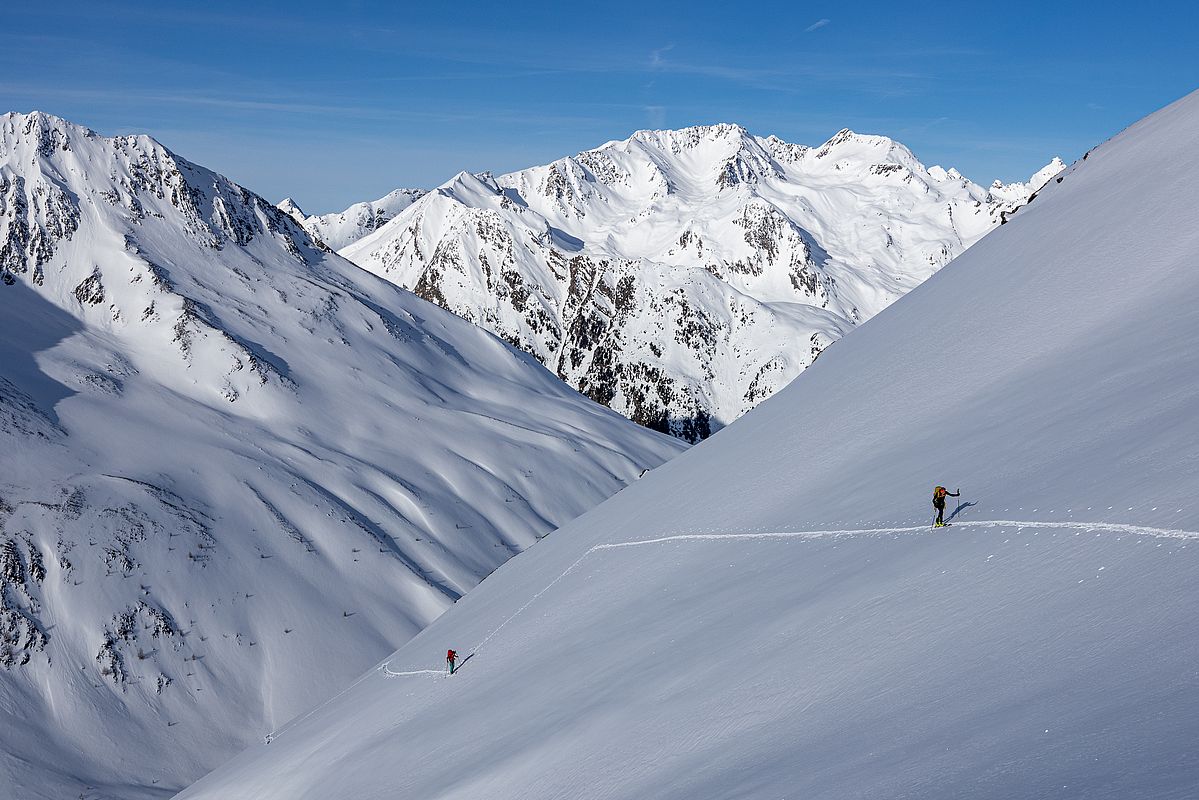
[
  {"x": 466, "y": 186},
  {"x": 846, "y": 138},
  {"x": 1018, "y": 191},
  {"x": 290, "y": 207},
  {"x": 714, "y": 131},
  {"x": 49, "y": 132},
  {"x": 42, "y": 119},
  {"x": 682, "y": 139}
]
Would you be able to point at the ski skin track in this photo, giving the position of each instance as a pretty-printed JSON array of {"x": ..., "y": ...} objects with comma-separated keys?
[
  {"x": 756, "y": 535},
  {"x": 1089, "y": 527}
]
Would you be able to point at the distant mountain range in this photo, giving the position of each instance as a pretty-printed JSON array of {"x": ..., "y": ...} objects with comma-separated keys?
[{"x": 679, "y": 277}]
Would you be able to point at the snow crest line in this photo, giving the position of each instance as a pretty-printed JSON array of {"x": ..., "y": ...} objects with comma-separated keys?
[{"x": 1109, "y": 527}]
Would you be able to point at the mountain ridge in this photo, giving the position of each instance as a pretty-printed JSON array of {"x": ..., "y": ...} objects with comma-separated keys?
[{"x": 682, "y": 276}]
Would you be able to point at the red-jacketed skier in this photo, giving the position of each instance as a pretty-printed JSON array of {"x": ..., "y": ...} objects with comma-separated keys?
[
  {"x": 450, "y": 658},
  {"x": 939, "y": 495}
]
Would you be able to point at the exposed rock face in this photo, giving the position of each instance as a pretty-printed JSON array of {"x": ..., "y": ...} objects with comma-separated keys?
[{"x": 683, "y": 276}]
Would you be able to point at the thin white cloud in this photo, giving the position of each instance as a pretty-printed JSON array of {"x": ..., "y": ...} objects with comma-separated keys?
[
  {"x": 287, "y": 106},
  {"x": 817, "y": 25}
]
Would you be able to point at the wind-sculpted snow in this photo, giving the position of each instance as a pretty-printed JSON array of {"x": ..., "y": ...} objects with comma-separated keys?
[
  {"x": 682, "y": 277},
  {"x": 770, "y": 614},
  {"x": 224, "y": 449}
]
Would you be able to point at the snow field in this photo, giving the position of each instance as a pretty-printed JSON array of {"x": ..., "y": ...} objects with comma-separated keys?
[
  {"x": 636, "y": 699},
  {"x": 758, "y": 535},
  {"x": 1049, "y": 371}
]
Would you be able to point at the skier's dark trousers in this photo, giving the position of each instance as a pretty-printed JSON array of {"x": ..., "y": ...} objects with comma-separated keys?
[{"x": 939, "y": 495}]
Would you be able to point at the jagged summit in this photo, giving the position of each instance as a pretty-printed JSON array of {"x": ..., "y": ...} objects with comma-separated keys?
[
  {"x": 684, "y": 138},
  {"x": 1012, "y": 191},
  {"x": 470, "y": 184},
  {"x": 846, "y": 142},
  {"x": 16, "y": 123},
  {"x": 683, "y": 276},
  {"x": 292, "y": 209},
  {"x": 95, "y": 209}
]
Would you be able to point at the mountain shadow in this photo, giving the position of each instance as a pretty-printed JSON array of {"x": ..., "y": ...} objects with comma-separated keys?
[{"x": 29, "y": 325}]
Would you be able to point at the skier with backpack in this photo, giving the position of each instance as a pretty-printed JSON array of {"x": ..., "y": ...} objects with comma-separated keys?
[
  {"x": 939, "y": 495},
  {"x": 450, "y": 657}
]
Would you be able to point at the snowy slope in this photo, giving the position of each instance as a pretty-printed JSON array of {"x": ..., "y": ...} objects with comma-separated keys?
[
  {"x": 681, "y": 277},
  {"x": 343, "y": 228},
  {"x": 769, "y": 615},
  {"x": 235, "y": 469}
]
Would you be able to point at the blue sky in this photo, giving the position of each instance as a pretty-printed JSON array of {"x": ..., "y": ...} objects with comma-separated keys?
[{"x": 332, "y": 103}]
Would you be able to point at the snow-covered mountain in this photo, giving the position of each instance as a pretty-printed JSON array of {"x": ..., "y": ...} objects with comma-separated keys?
[
  {"x": 235, "y": 469},
  {"x": 343, "y": 228},
  {"x": 1018, "y": 193},
  {"x": 770, "y": 614},
  {"x": 681, "y": 277}
]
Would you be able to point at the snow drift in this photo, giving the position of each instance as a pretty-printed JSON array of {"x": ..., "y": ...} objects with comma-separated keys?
[
  {"x": 769, "y": 615},
  {"x": 235, "y": 469}
]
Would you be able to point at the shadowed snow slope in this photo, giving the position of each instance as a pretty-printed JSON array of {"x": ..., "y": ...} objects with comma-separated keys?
[
  {"x": 235, "y": 469},
  {"x": 1022, "y": 653}
]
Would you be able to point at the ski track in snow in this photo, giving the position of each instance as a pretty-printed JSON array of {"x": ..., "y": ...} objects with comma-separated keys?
[
  {"x": 756, "y": 534},
  {"x": 759, "y": 534}
]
